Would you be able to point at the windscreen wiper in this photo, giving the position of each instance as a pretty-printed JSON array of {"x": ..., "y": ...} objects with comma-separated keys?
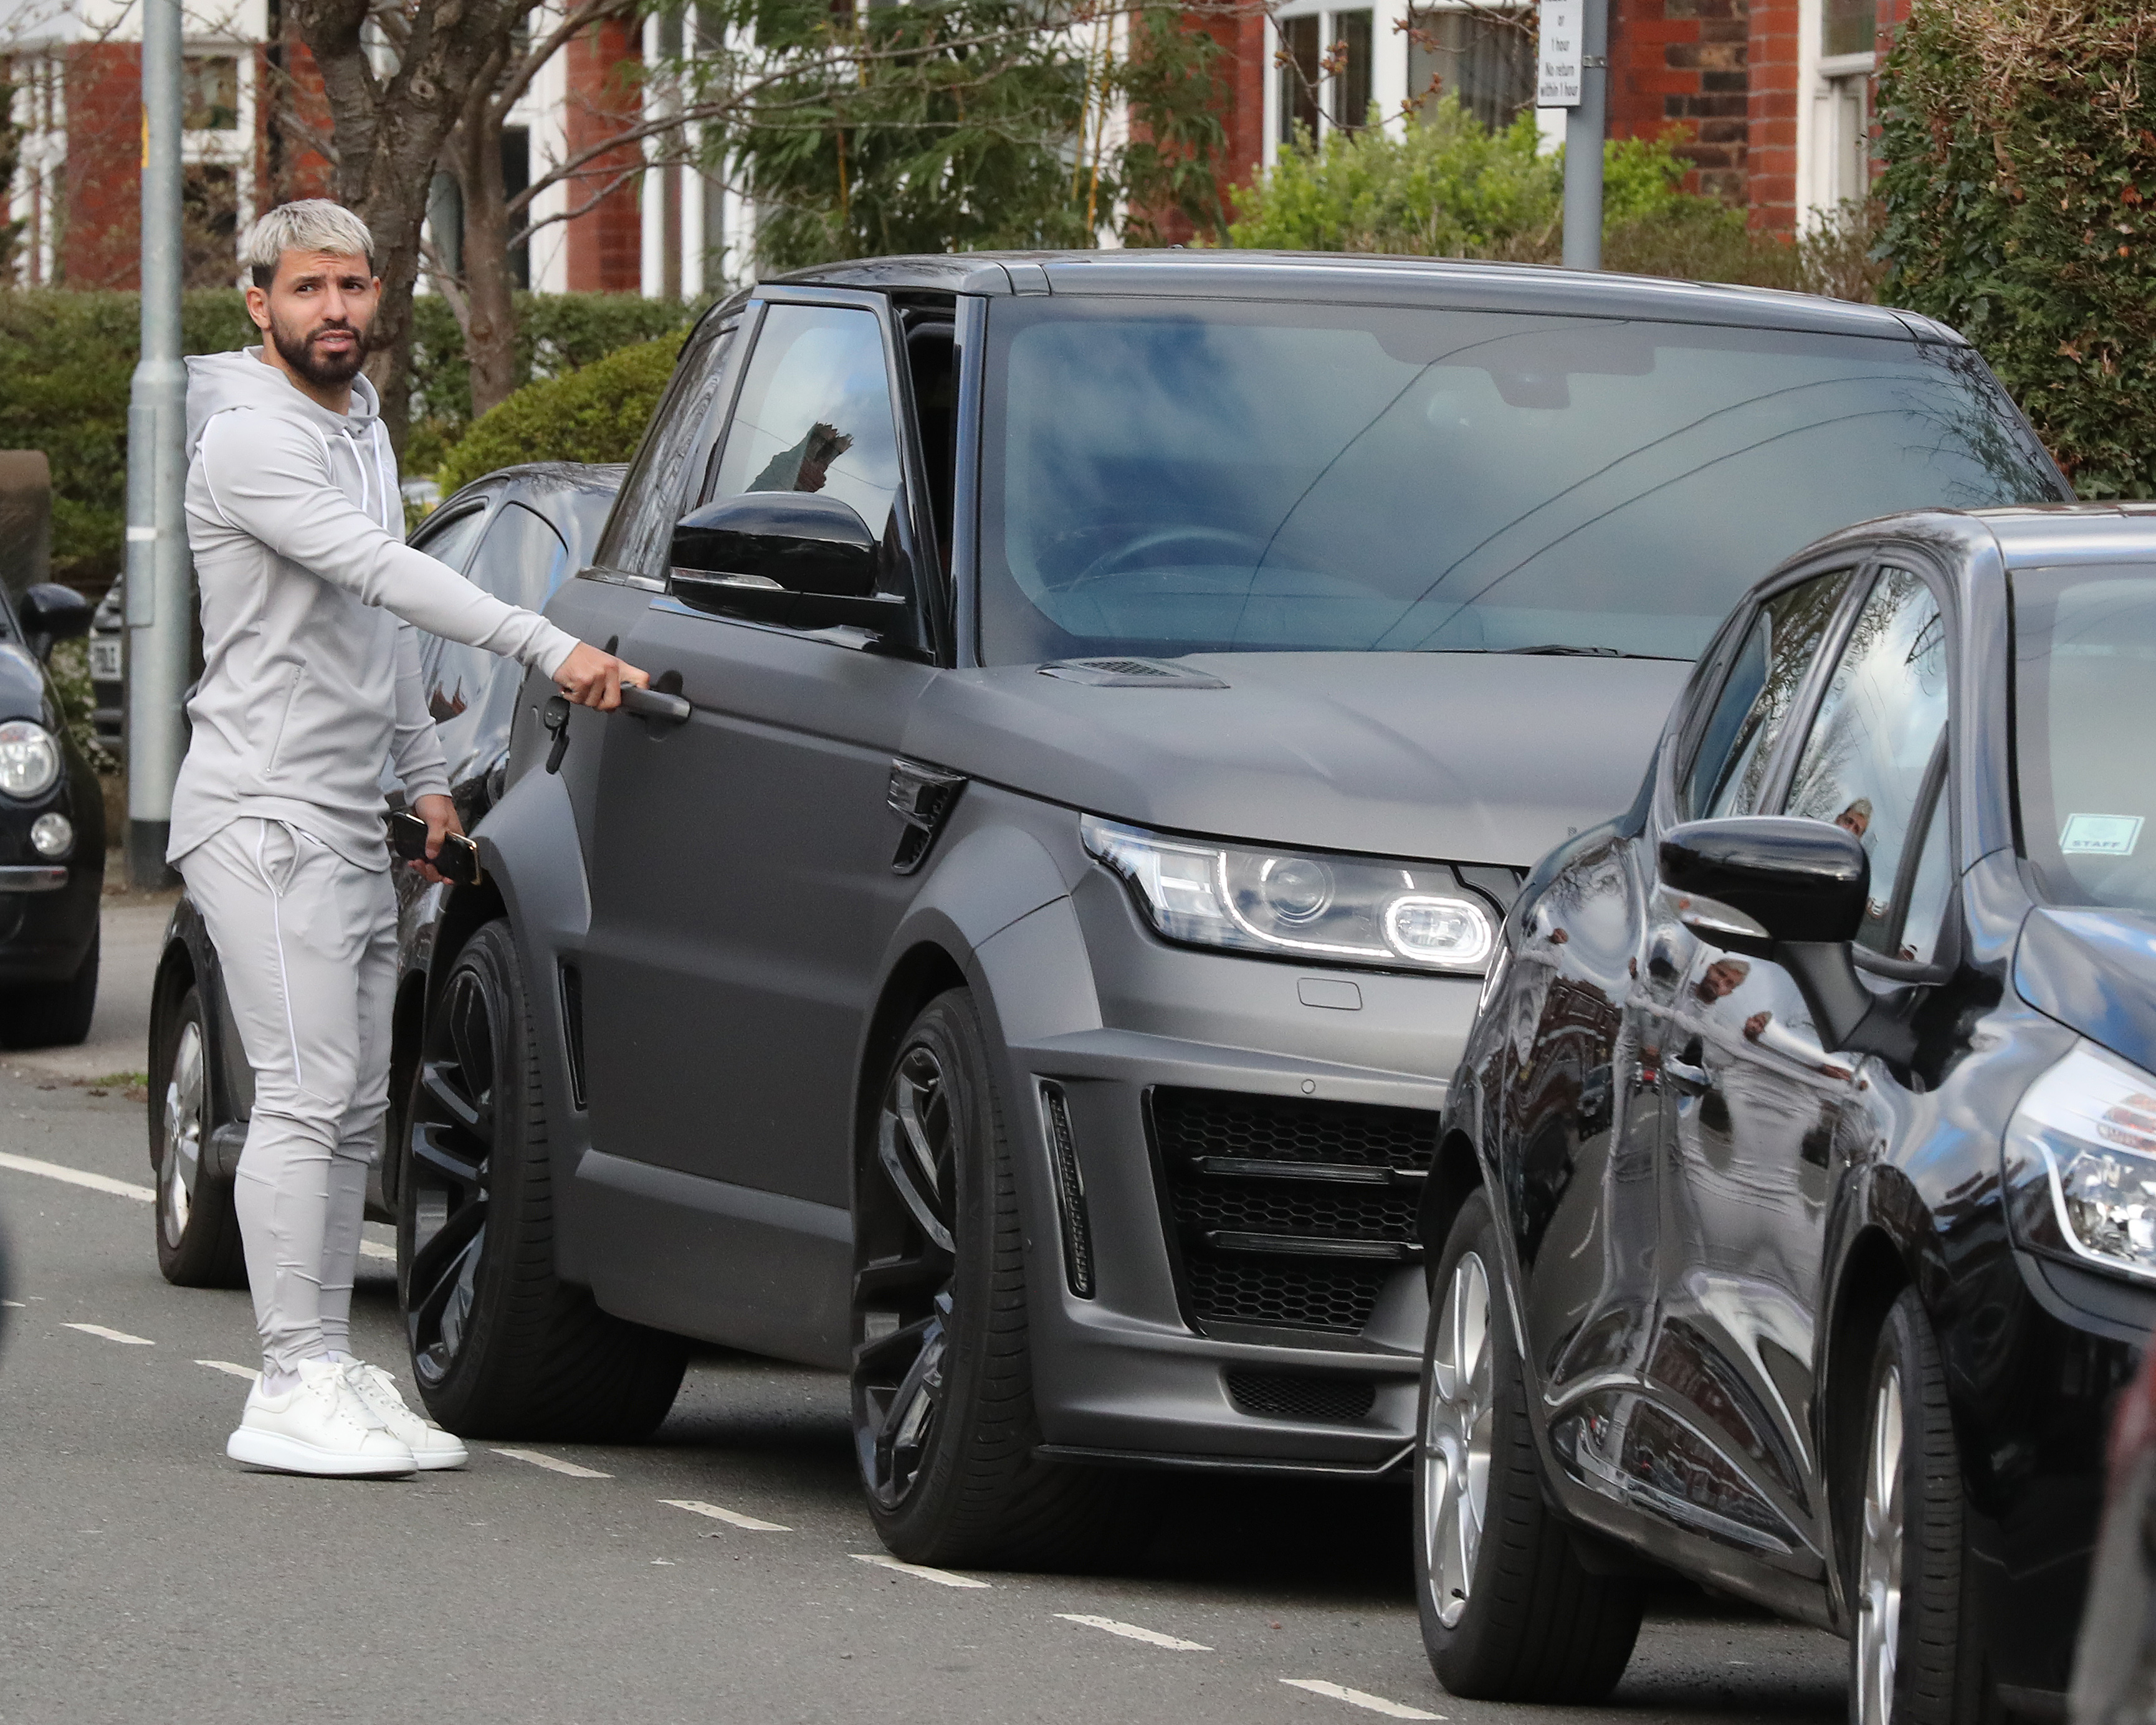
[{"x": 1555, "y": 649}]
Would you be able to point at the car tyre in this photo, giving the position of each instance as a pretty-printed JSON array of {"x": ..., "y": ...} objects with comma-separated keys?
[
  {"x": 1508, "y": 1611},
  {"x": 501, "y": 1347},
  {"x": 943, "y": 1418},
  {"x": 52, "y": 1014},
  {"x": 197, "y": 1226},
  {"x": 1908, "y": 1665}
]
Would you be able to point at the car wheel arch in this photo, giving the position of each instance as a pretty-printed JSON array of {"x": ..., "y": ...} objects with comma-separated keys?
[
  {"x": 1874, "y": 1270},
  {"x": 1456, "y": 1175},
  {"x": 924, "y": 969}
]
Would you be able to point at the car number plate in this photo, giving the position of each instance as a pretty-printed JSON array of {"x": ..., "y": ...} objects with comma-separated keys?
[{"x": 105, "y": 661}]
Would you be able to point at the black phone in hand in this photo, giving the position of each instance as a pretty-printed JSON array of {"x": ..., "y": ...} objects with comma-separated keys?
[{"x": 458, "y": 860}]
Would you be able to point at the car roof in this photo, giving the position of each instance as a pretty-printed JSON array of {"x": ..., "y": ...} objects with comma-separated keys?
[
  {"x": 2020, "y": 536},
  {"x": 1355, "y": 278}
]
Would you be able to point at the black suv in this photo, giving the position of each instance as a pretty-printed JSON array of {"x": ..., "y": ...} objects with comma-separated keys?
[{"x": 1102, "y": 706}]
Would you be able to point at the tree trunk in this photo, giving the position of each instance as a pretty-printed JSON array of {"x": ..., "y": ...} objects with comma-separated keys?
[
  {"x": 389, "y": 135},
  {"x": 490, "y": 318}
]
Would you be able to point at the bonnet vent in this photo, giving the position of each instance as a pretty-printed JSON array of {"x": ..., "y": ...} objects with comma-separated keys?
[{"x": 1129, "y": 673}]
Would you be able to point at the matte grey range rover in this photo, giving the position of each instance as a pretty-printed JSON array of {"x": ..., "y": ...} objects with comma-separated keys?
[{"x": 1103, "y": 706}]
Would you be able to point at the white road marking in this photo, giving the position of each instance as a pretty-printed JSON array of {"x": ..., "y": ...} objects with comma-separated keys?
[
  {"x": 553, "y": 1464},
  {"x": 112, "y": 1335},
  {"x": 16, "y": 1305},
  {"x": 1131, "y": 1632},
  {"x": 376, "y": 1249},
  {"x": 732, "y": 1518},
  {"x": 229, "y": 1370},
  {"x": 76, "y": 1177},
  {"x": 1357, "y": 1698},
  {"x": 943, "y": 1577}
]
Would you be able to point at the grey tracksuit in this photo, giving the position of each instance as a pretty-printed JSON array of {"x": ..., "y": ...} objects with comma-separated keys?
[{"x": 310, "y": 687}]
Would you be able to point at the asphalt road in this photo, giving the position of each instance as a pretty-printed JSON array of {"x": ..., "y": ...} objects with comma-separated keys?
[{"x": 144, "y": 1576}]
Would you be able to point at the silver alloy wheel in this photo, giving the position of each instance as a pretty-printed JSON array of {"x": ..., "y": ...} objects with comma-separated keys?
[
  {"x": 186, "y": 1096},
  {"x": 1456, "y": 1438},
  {"x": 1879, "y": 1560}
]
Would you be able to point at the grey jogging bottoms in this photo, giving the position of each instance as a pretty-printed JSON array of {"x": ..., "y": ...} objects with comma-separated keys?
[{"x": 308, "y": 945}]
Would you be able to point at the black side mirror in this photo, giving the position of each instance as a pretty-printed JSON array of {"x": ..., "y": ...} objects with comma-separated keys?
[
  {"x": 51, "y": 612},
  {"x": 788, "y": 557},
  {"x": 1793, "y": 891}
]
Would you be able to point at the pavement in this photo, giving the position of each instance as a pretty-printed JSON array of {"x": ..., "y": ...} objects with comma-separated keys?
[{"x": 725, "y": 1571}]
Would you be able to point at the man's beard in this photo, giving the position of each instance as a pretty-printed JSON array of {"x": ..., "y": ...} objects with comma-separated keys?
[{"x": 325, "y": 371}]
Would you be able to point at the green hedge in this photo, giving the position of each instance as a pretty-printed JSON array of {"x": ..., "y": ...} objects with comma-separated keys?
[
  {"x": 2020, "y": 147},
  {"x": 594, "y": 414},
  {"x": 67, "y": 358}
]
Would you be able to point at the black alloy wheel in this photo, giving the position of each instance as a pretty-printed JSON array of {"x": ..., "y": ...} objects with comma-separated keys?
[
  {"x": 501, "y": 1347},
  {"x": 944, "y": 1425},
  {"x": 898, "y": 1374},
  {"x": 197, "y": 1228}
]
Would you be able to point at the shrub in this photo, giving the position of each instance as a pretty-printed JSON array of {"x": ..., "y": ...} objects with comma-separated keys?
[
  {"x": 596, "y": 413},
  {"x": 2017, "y": 192},
  {"x": 1447, "y": 188}
]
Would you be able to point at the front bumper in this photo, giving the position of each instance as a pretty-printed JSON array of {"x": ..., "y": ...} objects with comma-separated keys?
[
  {"x": 1256, "y": 1321},
  {"x": 47, "y": 924}
]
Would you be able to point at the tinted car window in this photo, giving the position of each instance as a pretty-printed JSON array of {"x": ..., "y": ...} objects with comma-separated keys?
[
  {"x": 2084, "y": 716},
  {"x": 1795, "y": 620},
  {"x": 1867, "y": 761},
  {"x": 655, "y": 494},
  {"x": 472, "y": 694},
  {"x": 452, "y": 539},
  {"x": 814, "y": 413},
  {"x": 1717, "y": 742},
  {"x": 1173, "y": 476}
]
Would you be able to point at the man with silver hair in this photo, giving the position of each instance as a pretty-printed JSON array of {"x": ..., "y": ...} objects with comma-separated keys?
[{"x": 311, "y": 602}]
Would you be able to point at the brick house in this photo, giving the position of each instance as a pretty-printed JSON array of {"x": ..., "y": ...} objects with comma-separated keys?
[
  {"x": 1769, "y": 100},
  {"x": 252, "y": 124}
]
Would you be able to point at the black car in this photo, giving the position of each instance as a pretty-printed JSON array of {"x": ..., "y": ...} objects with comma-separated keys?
[
  {"x": 1102, "y": 705},
  {"x": 1794, "y": 1223},
  {"x": 518, "y": 534},
  {"x": 52, "y": 832}
]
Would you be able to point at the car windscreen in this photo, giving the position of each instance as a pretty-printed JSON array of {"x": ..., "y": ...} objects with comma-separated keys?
[
  {"x": 1162, "y": 477},
  {"x": 2084, "y": 715}
]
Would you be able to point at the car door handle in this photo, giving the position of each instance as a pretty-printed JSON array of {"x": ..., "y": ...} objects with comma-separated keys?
[
  {"x": 653, "y": 704},
  {"x": 1692, "y": 1077}
]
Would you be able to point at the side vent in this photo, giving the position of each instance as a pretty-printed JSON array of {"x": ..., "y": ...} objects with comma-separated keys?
[
  {"x": 921, "y": 796},
  {"x": 1070, "y": 1192},
  {"x": 573, "y": 1029}
]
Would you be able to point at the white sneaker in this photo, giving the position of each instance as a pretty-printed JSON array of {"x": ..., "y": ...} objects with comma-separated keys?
[
  {"x": 320, "y": 1425},
  {"x": 431, "y": 1447}
]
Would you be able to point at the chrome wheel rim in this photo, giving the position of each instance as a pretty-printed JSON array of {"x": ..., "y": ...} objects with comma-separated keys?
[
  {"x": 185, "y": 1119},
  {"x": 1879, "y": 1559},
  {"x": 1455, "y": 1439},
  {"x": 902, "y": 1299},
  {"x": 451, "y": 1149}
]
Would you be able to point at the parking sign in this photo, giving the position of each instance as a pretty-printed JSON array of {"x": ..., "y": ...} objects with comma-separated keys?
[{"x": 1558, "y": 79}]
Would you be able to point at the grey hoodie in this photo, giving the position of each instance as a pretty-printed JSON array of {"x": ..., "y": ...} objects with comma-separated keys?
[{"x": 310, "y": 597}]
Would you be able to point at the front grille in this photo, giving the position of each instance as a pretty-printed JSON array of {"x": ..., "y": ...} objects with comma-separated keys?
[
  {"x": 1279, "y": 1395},
  {"x": 1287, "y": 1212}
]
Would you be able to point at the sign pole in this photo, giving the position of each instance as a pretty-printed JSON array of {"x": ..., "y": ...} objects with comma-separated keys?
[
  {"x": 159, "y": 602},
  {"x": 1574, "y": 75}
]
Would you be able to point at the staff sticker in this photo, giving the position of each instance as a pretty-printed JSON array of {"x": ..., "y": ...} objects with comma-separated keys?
[{"x": 2100, "y": 835}]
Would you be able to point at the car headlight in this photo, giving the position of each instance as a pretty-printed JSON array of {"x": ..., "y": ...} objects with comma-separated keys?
[
  {"x": 1340, "y": 910},
  {"x": 29, "y": 759},
  {"x": 2088, "y": 1128}
]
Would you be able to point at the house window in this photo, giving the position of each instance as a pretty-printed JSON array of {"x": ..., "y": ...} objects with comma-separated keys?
[
  {"x": 1485, "y": 55},
  {"x": 1298, "y": 78},
  {"x": 1847, "y": 27},
  {"x": 209, "y": 93},
  {"x": 1324, "y": 68}
]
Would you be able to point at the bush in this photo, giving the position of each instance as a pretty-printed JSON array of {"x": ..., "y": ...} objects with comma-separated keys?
[
  {"x": 2017, "y": 195},
  {"x": 1447, "y": 188},
  {"x": 555, "y": 333},
  {"x": 1443, "y": 188},
  {"x": 594, "y": 414},
  {"x": 66, "y": 359}
]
